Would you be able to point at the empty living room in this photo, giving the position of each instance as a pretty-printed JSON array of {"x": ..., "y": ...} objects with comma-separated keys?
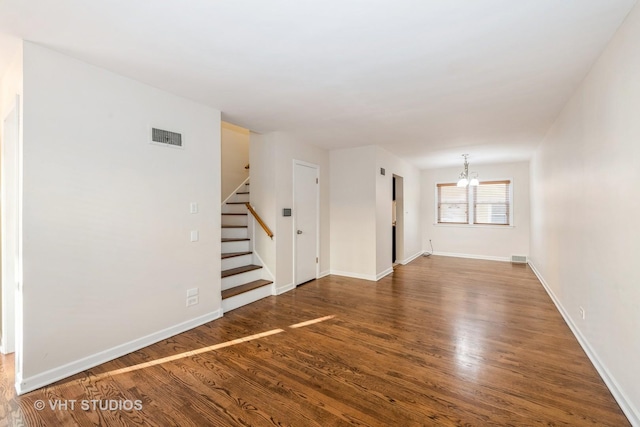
[{"x": 319, "y": 213}]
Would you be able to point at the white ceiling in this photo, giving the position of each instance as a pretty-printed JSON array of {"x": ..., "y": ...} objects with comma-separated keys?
[{"x": 426, "y": 79}]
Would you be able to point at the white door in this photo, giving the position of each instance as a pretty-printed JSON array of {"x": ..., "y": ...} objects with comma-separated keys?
[{"x": 305, "y": 221}]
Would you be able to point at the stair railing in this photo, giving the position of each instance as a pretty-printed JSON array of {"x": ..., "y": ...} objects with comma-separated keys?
[{"x": 260, "y": 221}]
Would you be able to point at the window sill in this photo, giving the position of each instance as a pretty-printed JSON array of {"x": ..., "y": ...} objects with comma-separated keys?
[{"x": 473, "y": 226}]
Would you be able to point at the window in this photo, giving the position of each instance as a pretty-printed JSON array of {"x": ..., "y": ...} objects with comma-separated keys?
[
  {"x": 453, "y": 204},
  {"x": 491, "y": 203},
  {"x": 486, "y": 204}
]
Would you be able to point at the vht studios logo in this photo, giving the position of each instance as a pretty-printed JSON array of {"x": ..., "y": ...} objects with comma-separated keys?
[{"x": 89, "y": 405}]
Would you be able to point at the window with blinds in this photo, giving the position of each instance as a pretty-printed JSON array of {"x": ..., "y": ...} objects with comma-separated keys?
[
  {"x": 486, "y": 204},
  {"x": 491, "y": 203},
  {"x": 453, "y": 204}
]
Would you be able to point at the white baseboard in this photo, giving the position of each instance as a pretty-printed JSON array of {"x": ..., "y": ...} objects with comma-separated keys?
[
  {"x": 25, "y": 385},
  {"x": 323, "y": 274},
  {"x": 629, "y": 409},
  {"x": 354, "y": 275},
  {"x": 411, "y": 258},
  {"x": 484, "y": 257},
  {"x": 385, "y": 273},
  {"x": 363, "y": 276},
  {"x": 279, "y": 290}
]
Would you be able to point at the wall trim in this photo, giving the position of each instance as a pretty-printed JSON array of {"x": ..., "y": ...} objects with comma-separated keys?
[
  {"x": 25, "y": 385},
  {"x": 411, "y": 258},
  {"x": 279, "y": 290},
  {"x": 472, "y": 256},
  {"x": 385, "y": 273},
  {"x": 354, "y": 275},
  {"x": 631, "y": 412},
  {"x": 324, "y": 274}
]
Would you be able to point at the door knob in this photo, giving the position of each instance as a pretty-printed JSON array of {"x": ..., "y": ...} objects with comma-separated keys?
[{"x": 299, "y": 232}]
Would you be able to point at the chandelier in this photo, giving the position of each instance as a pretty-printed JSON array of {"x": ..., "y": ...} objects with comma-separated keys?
[{"x": 464, "y": 179}]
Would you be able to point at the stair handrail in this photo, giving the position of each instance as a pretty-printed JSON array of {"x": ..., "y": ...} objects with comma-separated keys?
[{"x": 260, "y": 221}]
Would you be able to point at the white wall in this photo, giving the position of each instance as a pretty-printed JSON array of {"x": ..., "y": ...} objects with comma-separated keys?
[
  {"x": 584, "y": 229},
  {"x": 107, "y": 255},
  {"x": 353, "y": 212},
  {"x": 487, "y": 242},
  {"x": 235, "y": 156},
  {"x": 262, "y": 155},
  {"x": 272, "y": 157},
  {"x": 288, "y": 150},
  {"x": 361, "y": 211},
  {"x": 412, "y": 243}
]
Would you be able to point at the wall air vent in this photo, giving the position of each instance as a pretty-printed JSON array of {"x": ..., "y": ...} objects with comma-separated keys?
[
  {"x": 166, "y": 137},
  {"x": 518, "y": 259}
]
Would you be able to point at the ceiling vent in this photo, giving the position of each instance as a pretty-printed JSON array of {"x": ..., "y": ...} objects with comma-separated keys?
[{"x": 166, "y": 137}]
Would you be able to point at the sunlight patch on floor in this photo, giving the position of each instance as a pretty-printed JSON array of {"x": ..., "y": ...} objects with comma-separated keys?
[
  {"x": 207, "y": 349},
  {"x": 311, "y": 322}
]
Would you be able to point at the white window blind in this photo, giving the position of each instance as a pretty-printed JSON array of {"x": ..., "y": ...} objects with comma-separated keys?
[
  {"x": 488, "y": 203},
  {"x": 492, "y": 203},
  {"x": 453, "y": 204}
]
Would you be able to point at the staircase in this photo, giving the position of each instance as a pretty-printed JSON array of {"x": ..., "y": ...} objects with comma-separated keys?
[{"x": 243, "y": 278}]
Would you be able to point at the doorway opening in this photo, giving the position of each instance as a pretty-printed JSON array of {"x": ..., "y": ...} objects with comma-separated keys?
[{"x": 397, "y": 220}]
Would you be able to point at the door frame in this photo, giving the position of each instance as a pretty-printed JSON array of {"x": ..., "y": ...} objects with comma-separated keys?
[
  {"x": 294, "y": 223},
  {"x": 10, "y": 279},
  {"x": 398, "y": 189}
]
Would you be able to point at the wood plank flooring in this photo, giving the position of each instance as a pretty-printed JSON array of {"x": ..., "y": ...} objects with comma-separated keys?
[{"x": 440, "y": 342}]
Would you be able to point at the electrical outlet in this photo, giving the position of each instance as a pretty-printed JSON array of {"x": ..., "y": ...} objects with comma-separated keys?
[{"x": 582, "y": 313}]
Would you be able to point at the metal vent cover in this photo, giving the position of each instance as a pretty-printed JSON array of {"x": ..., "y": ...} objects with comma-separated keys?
[
  {"x": 518, "y": 259},
  {"x": 166, "y": 137}
]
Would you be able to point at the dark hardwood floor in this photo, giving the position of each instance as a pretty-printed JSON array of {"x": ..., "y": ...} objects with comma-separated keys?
[{"x": 441, "y": 342}]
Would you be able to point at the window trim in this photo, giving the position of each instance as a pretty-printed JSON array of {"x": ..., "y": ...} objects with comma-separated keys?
[
  {"x": 449, "y": 184},
  {"x": 471, "y": 206}
]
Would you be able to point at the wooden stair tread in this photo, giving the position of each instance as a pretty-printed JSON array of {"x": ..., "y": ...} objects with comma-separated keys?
[
  {"x": 240, "y": 270},
  {"x": 244, "y": 288},
  {"x": 236, "y": 203},
  {"x": 234, "y": 226},
  {"x": 234, "y": 254},
  {"x": 242, "y": 192},
  {"x": 234, "y": 214},
  {"x": 232, "y": 239}
]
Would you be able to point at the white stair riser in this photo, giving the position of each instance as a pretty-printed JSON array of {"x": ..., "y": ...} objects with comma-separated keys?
[
  {"x": 229, "y": 208},
  {"x": 235, "y": 233},
  {"x": 241, "y": 279},
  {"x": 237, "y": 261},
  {"x": 239, "y": 198},
  {"x": 242, "y": 246},
  {"x": 237, "y": 301},
  {"x": 234, "y": 219}
]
